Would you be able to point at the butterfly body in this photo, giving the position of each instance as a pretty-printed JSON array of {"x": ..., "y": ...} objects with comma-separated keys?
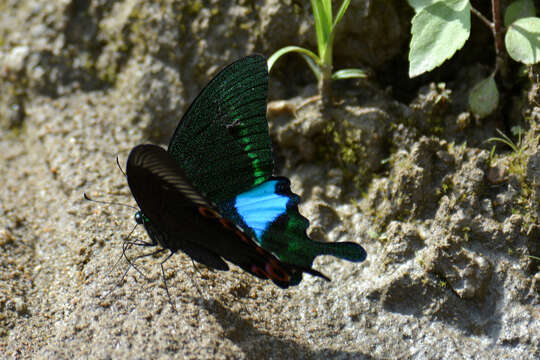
[{"x": 212, "y": 194}]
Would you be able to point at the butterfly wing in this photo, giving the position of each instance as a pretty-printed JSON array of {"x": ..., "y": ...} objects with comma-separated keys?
[
  {"x": 166, "y": 211},
  {"x": 180, "y": 218},
  {"x": 222, "y": 142},
  {"x": 270, "y": 212},
  {"x": 223, "y": 145}
]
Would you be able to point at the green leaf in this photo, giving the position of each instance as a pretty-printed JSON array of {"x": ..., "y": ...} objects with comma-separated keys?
[
  {"x": 312, "y": 59},
  {"x": 314, "y": 66},
  {"x": 287, "y": 49},
  {"x": 326, "y": 55},
  {"x": 341, "y": 12},
  {"x": 322, "y": 15},
  {"x": 517, "y": 131},
  {"x": 418, "y": 5},
  {"x": 484, "y": 97},
  {"x": 348, "y": 74},
  {"x": 522, "y": 40},
  {"x": 438, "y": 31},
  {"x": 505, "y": 140},
  {"x": 517, "y": 10},
  {"x": 327, "y": 9}
]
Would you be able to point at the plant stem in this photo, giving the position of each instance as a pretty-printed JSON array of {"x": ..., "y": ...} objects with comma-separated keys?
[
  {"x": 482, "y": 17},
  {"x": 497, "y": 33},
  {"x": 325, "y": 85}
]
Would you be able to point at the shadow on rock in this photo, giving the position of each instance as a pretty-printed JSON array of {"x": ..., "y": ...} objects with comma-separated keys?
[{"x": 257, "y": 344}]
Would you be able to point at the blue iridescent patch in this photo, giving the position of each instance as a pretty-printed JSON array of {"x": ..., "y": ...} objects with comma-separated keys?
[{"x": 260, "y": 206}]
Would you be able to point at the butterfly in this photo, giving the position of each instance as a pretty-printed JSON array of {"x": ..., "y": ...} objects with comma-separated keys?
[{"x": 212, "y": 194}]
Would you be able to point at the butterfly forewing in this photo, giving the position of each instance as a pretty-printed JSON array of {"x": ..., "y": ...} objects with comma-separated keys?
[{"x": 222, "y": 142}]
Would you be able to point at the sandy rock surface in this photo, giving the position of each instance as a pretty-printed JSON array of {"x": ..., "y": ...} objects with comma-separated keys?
[{"x": 449, "y": 229}]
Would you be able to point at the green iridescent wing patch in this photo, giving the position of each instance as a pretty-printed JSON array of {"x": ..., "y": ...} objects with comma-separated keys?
[
  {"x": 222, "y": 142},
  {"x": 269, "y": 214}
]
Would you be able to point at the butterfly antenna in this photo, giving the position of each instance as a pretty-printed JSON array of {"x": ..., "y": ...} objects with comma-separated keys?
[
  {"x": 86, "y": 197},
  {"x": 120, "y": 167},
  {"x": 165, "y": 280}
]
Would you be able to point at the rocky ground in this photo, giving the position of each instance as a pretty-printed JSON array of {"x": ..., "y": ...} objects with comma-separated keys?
[{"x": 451, "y": 228}]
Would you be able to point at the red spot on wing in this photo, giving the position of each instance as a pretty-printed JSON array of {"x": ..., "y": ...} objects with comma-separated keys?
[
  {"x": 208, "y": 213},
  {"x": 276, "y": 271},
  {"x": 273, "y": 269},
  {"x": 259, "y": 272},
  {"x": 227, "y": 224},
  {"x": 272, "y": 272},
  {"x": 243, "y": 237}
]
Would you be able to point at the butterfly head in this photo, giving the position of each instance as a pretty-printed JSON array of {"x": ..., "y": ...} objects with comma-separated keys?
[{"x": 140, "y": 218}]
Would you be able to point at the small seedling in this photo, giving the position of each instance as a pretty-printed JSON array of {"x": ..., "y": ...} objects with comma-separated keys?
[
  {"x": 518, "y": 147},
  {"x": 321, "y": 64}
]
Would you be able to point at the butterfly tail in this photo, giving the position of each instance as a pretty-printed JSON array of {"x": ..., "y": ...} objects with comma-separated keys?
[
  {"x": 344, "y": 250},
  {"x": 297, "y": 276}
]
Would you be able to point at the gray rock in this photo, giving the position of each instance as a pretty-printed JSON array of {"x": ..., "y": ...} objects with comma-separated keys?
[
  {"x": 467, "y": 272},
  {"x": 449, "y": 272}
]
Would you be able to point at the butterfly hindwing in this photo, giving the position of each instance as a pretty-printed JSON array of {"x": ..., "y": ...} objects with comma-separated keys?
[
  {"x": 163, "y": 193},
  {"x": 222, "y": 142},
  {"x": 178, "y": 217},
  {"x": 270, "y": 212}
]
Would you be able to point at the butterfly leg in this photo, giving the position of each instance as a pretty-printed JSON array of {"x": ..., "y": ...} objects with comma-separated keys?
[
  {"x": 132, "y": 264},
  {"x": 127, "y": 244},
  {"x": 124, "y": 248},
  {"x": 142, "y": 243},
  {"x": 165, "y": 280}
]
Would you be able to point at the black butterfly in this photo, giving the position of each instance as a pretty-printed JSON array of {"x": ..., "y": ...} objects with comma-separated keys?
[{"x": 212, "y": 194}]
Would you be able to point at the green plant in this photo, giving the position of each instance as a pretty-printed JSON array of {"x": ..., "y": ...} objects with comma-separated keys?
[
  {"x": 516, "y": 161},
  {"x": 492, "y": 156},
  {"x": 518, "y": 147},
  {"x": 321, "y": 64},
  {"x": 441, "y": 27}
]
